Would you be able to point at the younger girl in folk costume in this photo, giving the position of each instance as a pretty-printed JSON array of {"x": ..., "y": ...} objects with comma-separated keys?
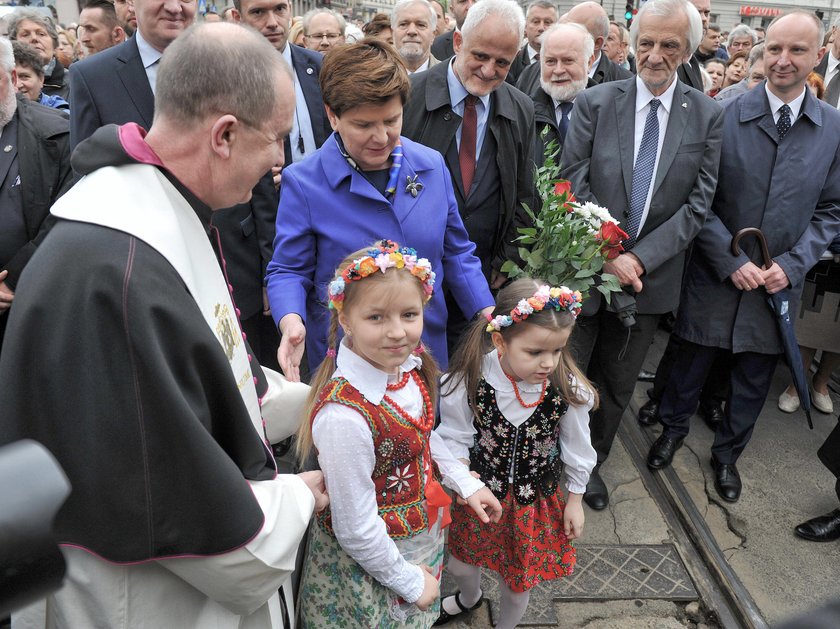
[
  {"x": 516, "y": 415},
  {"x": 374, "y": 559}
]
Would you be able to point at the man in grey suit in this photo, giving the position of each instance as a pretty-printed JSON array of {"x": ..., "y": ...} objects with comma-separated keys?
[
  {"x": 780, "y": 171},
  {"x": 646, "y": 148}
]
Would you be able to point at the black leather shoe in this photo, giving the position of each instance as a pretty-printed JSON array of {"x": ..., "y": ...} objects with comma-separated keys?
[
  {"x": 711, "y": 413},
  {"x": 596, "y": 495},
  {"x": 825, "y": 528},
  {"x": 727, "y": 480},
  {"x": 662, "y": 451},
  {"x": 649, "y": 413},
  {"x": 445, "y": 617}
]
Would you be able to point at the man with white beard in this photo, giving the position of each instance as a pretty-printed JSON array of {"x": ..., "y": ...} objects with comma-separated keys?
[
  {"x": 413, "y": 23},
  {"x": 567, "y": 51}
]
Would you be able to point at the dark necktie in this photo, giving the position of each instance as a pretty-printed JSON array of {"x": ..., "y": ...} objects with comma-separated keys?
[
  {"x": 642, "y": 174},
  {"x": 466, "y": 152},
  {"x": 832, "y": 89},
  {"x": 563, "y": 123},
  {"x": 783, "y": 125}
]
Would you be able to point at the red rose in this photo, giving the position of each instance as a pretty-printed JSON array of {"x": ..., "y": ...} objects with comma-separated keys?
[
  {"x": 612, "y": 235},
  {"x": 564, "y": 187}
]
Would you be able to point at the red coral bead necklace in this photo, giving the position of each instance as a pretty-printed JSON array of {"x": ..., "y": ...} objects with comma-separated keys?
[{"x": 516, "y": 389}]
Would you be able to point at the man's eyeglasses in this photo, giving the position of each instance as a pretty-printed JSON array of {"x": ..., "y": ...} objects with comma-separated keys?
[{"x": 327, "y": 36}]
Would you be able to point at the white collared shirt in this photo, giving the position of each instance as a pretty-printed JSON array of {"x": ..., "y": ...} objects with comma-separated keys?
[
  {"x": 594, "y": 65},
  {"x": 301, "y": 122},
  {"x": 532, "y": 54},
  {"x": 457, "y": 94},
  {"x": 346, "y": 456},
  {"x": 150, "y": 57},
  {"x": 423, "y": 66},
  {"x": 776, "y": 104},
  {"x": 458, "y": 431},
  {"x": 643, "y": 98},
  {"x": 558, "y": 113}
]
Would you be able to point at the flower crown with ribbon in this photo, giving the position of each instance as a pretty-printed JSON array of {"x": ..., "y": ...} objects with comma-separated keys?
[
  {"x": 384, "y": 255},
  {"x": 561, "y": 298}
]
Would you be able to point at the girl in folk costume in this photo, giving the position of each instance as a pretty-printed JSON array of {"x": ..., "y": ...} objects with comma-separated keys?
[
  {"x": 374, "y": 559},
  {"x": 515, "y": 408}
]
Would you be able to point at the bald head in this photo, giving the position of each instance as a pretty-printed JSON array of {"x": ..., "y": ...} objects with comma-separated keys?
[
  {"x": 593, "y": 17},
  {"x": 218, "y": 67},
  {"x": 223, "y": 104}
]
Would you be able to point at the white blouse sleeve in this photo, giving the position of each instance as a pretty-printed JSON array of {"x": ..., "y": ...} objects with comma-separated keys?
[
  {"x": 347, "y": 458},
  {"x": 576, "y": 449},
  {"x": 455, "y": 474},
  {"x": 456, "y": 421}
]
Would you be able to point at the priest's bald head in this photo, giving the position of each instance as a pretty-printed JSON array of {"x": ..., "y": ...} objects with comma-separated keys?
[{"x": 223, "y": 105}]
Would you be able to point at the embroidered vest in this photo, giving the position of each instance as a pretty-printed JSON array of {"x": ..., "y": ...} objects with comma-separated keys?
[
  {"x": 398, "y": 469},
  {"x": 531, "y": 452}
]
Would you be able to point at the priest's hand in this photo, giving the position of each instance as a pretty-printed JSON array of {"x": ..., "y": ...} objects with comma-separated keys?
[
  {"x": 315, "y": 481},
  {"x": 431, "y": 589},
  {"x": 290, "y": 352},
  {"x": 747, "y": 277},
  {"x": 7, "y": 295},
  {"x": 775, "y": 279}
]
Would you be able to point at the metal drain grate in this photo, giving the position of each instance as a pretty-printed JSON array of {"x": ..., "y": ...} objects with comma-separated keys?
[{"x": 603, "y": 572}]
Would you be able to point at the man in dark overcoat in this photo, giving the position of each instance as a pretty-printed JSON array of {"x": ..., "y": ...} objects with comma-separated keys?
[
  {"x": 779, "y": 171},
  {"x": 493, "y": 173}
]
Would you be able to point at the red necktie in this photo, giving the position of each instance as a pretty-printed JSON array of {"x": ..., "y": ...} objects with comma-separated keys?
[{"x": 466, "y": 152}]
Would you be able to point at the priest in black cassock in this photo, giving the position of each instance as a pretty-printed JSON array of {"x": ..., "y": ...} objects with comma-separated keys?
[{"x": 125, "y": 358}]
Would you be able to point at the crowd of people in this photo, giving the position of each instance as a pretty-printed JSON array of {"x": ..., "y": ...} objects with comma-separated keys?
[{"x": 337, "y": 203}]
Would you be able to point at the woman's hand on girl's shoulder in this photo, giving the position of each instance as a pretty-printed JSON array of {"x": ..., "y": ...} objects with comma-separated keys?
[{"x": 486, "y": 505}]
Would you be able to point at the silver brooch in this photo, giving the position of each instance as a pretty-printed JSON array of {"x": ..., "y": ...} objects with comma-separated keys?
[
  {"x": 7, "y": 148},
  {"x": 412, "y": 186}
]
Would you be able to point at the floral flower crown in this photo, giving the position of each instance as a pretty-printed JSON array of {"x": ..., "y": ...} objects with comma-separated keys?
[
  {"x": 561, "y": 298},
  {"x": 384, "y": 255}
]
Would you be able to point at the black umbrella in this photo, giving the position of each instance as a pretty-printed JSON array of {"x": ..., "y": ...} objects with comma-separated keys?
[{"x": 780, "y": 305}]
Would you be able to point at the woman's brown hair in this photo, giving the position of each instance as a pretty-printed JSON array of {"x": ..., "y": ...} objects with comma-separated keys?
[
  {"x": 466, "y": 363},
  {"x": 369, "y": 72},
  {"x": 429, "y": 371}
]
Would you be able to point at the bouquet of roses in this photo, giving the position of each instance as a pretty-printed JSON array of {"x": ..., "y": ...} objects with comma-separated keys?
[{"x": 569, "y": 241}]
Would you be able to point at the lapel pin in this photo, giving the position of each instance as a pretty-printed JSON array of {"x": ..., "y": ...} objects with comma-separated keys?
[
  {"x": 309, "y": 70},
  {"x": 7, "y": 148},
  {"x": 685, "y": 105},
  {"x": 412, "y": 186}
]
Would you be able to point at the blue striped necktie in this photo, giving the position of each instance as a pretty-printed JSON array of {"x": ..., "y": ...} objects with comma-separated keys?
[{"x": 642, "y": 174}]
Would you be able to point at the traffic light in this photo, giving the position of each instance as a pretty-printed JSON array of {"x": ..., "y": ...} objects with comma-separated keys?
[{"x": 628, "y": 12}]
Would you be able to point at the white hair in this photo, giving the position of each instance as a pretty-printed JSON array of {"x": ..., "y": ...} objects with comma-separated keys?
[
  {"x": 667, "y": 8},
  {"x": 7, "y": 55},
  {"x": 588, "y": 42},
  {"x": 307, "y": 19},
  {"x": 403, "y": 4},
  {"x": 742, "y": 30},
  {"x": 510, "y": 12}
]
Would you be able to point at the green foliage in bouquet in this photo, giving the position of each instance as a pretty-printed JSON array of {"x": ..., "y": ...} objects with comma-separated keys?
[{"x": 569, "y": 242}]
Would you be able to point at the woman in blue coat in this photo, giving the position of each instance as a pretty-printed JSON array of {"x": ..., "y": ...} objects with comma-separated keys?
[{"x": 364, "y": 184}]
